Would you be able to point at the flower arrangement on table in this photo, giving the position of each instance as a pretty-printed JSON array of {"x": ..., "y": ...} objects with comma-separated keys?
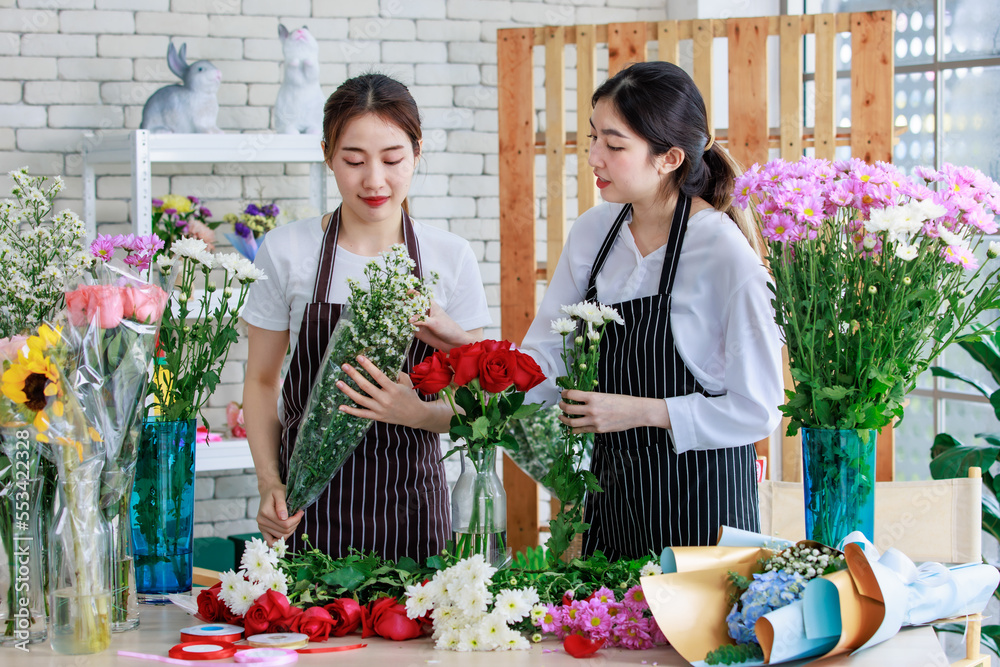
[
  {"x": 375, "y": 323},
  {"x": 874, "y": 276},
  {"x": 197, "y": 330},
  {"x": 176, "y": 217},
  {"x": 484, "y": 383},
  {"x": 256, "y": 597},
  {"x": 801, "y": 601},
  {"x": 569, "y": 478},
  {"x": 250, "y": 226}
]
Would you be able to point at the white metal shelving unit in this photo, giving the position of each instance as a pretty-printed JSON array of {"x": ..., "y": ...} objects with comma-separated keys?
[{"x": 141, "y": 149}]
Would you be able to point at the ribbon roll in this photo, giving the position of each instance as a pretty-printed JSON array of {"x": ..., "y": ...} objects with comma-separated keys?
[
  {"x": 331, "y": 649},
  {"x": 279, "y": 640},
  {"x": 219, "y": 632},
  {"x": 205, "y": 649},
  {"x": 267, "y": 657}
]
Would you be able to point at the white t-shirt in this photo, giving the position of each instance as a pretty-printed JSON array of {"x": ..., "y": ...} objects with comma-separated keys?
[
  {"x": 289, "y": 256},
  {"x": 720, "y": 315}
]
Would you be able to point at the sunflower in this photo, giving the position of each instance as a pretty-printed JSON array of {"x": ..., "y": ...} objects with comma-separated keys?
[{"x": 32, "y": 381}]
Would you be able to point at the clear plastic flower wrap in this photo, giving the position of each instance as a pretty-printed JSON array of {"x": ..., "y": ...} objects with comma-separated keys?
[{"x": 376, "y": 323}]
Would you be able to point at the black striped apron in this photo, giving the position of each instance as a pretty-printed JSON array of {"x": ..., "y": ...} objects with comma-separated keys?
[
  {"x": 654, "y": 497},
  {"x": 390, "y": 496}
]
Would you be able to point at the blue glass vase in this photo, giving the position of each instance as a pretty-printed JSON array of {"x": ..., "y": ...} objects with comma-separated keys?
[
  {"x": 162, "y": 511},
  {"x": 838, "y": 469}
]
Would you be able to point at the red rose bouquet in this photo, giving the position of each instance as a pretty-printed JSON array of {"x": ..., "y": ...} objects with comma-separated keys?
[{"x": 484, "y": 382}]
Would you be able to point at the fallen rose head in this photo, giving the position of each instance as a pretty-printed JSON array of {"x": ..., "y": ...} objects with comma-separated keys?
[
  {"x": 387, "y": 618},
  {"x": 316, "y": 622},
  {"x": 346, "y": 613}
]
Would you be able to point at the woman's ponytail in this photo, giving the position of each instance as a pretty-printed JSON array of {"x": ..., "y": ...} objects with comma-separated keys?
[{"x": 718, "y": 191}]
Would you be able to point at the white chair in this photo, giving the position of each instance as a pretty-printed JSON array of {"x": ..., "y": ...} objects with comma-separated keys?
[{"x": 936, "y": 520}]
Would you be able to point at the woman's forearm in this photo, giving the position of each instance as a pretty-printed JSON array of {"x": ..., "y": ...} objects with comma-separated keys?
[{"x": 260, "y": 413}]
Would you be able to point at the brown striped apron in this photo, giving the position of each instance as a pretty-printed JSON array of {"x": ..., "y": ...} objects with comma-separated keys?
[{"x": 390, "y": 496}]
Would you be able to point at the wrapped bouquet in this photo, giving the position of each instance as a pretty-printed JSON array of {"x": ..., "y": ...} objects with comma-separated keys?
[{"x": 376, "y": 323}]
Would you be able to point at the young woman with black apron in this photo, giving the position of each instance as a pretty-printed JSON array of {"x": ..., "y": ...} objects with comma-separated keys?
[{"x": 693, "y": 376}]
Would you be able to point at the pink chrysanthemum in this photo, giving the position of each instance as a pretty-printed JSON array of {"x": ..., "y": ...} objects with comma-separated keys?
[
  {"x": 635, "y": 599},
  {"x": 604, "y": 595},
  {"x": 595, "y": 621},
  {"x": 635, "y": 635},
  {"x": 553, "y": 619},
  {"x": 961, "y": 256},
  {"x": 103, "y": 247}
]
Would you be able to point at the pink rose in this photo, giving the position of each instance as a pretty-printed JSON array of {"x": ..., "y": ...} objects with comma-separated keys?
[
  {"x": 143, "y": 303},
  {"x": 101, "y": 301},
  {"x": 9, "y": 347}
]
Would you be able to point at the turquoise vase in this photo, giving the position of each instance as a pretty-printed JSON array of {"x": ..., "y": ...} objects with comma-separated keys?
[
  {"x": 838, "y": 470},
  {"x": 162, "y": 509}
]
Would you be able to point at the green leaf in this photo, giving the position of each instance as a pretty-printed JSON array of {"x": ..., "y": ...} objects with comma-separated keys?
[
  {"x": 406, "y": 564},
  {"x": 937, "y": 371},
  {"x": 348, "y": 578},
  {"x": 991, "y": 515},
  {"x": 951, "y": 459},
  {"x": 835, "y": 393},
  {"x": 481, "y": 428},
  {"x": 465, "y": 399}
]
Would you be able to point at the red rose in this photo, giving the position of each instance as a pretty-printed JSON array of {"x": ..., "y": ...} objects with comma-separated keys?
[
  {"x": 286, "y": 623},
  {"x": 465, "y": 361},
  {"x": 579, "y": 646},
  {"x": 496, "y": 370},
  {"x": 432, "y": 374},
  {"x": 346, "y": 614},
  {"x": 315, "y": 622},
  {"x": 528, "y": 373},
  {"x": 492, "y": 345},
  {"x": 268, "y": 608},
  {"x": 209, "y": 604},
  {"x": 228, "y": 616},
  {"x": 387, "y": 618}
]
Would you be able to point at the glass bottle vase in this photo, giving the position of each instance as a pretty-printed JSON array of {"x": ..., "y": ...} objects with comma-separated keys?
[
  {"x": 479, "y": 508},
  {"x": 124, "y": 597},
  {"x": 23, "y": 609},
  {"x": 838, "y": 483},
  {"x": 79, "y": 555},
  {"x": 162, "y": 509}
]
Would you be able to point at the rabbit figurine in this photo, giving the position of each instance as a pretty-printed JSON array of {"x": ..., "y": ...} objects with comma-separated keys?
[
  {"x": 191, "y": 107},
  {"x": 299, "y": 107}
]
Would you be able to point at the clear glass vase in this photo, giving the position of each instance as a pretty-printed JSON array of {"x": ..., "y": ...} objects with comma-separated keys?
[
  {"x": 163, "y": 509},
  {"x": 23, "y": 521},
  {"x": 479, "y": 508},
  {"x": 79, "y": 555},
  {"x": 838, "y": 483},
  {"x": 124, "y": 596}
]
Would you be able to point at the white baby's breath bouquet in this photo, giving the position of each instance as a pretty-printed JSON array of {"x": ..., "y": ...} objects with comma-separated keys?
[
  {"x": 459, "y": 600},
  {"x": 376, "y": 323},
  {"x": 39, "y": 255}
]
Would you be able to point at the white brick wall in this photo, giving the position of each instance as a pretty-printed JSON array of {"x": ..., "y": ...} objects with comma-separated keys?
[{"x": 69, "y": 66}]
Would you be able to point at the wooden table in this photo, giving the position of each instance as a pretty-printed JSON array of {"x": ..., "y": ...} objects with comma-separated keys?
[{"x": 160, "y": 629}]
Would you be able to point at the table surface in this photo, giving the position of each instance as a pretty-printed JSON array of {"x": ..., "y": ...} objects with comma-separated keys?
[{"x": 160, "y": 629}]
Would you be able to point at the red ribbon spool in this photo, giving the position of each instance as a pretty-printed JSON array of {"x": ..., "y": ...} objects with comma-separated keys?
[{"x": 203, "y": 649}]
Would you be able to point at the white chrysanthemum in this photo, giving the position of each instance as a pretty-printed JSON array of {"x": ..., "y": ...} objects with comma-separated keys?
[
  {"x": 512, "y": 605},
  {"x": 881, "y": 219},
  {"x": 993, "y": 250},
  {"x": 258, "y": 560},
  {"x": 418, "y": 602},
  {"x": 949, "y": 237},
  {"x": 230, "y": 582},
  {"x": 928, "y": 209},
  {"x": 906, "y": 252},
  {"x": 512, "y": 640},
  {"x": 572, "y": 309},
  {"x": 228, "y": 262},
  {"x": 538, "y": 613},
  {"x": 651, "y": 568},
  {"x": 165, "y": 263},
  {"x": 277, "y": 582},
  {"x": 243, "y": 598},
  {"x": 247, "y": 272},
  {"x": 188, "y": 247},
  {"x": 611, "y": 315},
  {"x": 471, "y": 600},
  {"x": 448, "y": 640},
  {"x": 563, "y": 326},
  {"x": 280, "y": 548},
  {"x": 493, "y": 630},
  {"x": 590, "y": 312}
]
